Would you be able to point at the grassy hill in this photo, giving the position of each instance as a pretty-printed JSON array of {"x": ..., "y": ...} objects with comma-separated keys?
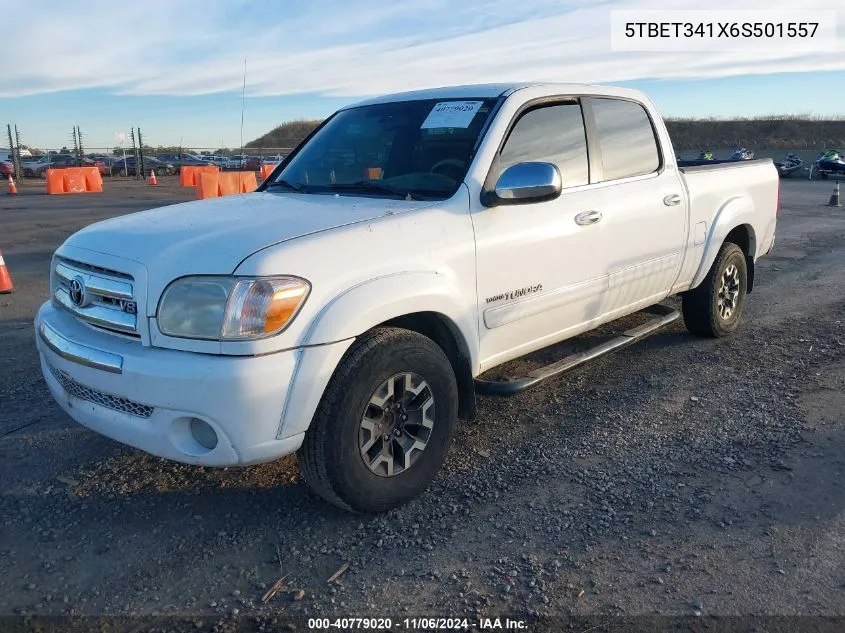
[
  {"x": 777, "y": 132},
  {"x": 286, "y": 135},
  {"x": 774, "y": 132}
]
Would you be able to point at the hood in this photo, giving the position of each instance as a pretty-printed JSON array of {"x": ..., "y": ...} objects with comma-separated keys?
[{"x": 211, "y": 237}]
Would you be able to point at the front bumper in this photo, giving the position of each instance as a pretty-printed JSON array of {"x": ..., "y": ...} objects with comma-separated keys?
[{"x": 146, "y": 396}]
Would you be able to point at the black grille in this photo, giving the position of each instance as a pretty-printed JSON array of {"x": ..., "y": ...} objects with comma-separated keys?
[{"x": 107, "y": 400}]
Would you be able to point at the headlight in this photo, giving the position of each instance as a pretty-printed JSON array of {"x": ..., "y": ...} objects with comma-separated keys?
[{"x": 230, "y": 308}]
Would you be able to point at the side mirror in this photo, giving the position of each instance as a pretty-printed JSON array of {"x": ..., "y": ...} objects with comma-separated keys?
[{"x": 527, "y": 182}]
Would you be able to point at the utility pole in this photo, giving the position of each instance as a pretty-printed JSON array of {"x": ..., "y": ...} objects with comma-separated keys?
[
  {"x": 11, "y": 144},
  {"x": 139, "y": 173},
  {"x": 17, "y": 157},
  {"x": 80, "y": 151},
  {"x": 14, "y": 150},
  {"x": 134, "y": 152}
]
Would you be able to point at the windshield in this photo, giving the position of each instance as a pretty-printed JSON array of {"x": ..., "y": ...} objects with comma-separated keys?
[{"x": 417, "y": 150}]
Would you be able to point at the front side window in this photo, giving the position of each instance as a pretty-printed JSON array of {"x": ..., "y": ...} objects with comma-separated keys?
[
  {"x": 626, "y": 138},
  {"x": 550, "y": 134},
  {"x": 410, "y": 149}
]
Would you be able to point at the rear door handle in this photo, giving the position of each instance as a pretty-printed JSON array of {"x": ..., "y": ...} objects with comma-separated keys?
[
  {"x": 588, "y": 217},
  {"x": 672, "y": 200}
]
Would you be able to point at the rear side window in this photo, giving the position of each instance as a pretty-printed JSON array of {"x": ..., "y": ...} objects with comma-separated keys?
[
  {"x": 551, "y": 134},
  {"x": 626, "y": 138}
]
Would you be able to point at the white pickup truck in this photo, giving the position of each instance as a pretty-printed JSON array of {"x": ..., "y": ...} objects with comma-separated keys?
[{"x": 346, "y": 309}]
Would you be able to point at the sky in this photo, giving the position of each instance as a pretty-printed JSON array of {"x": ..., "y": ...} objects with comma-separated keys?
[{"x": 175, "y": 68}]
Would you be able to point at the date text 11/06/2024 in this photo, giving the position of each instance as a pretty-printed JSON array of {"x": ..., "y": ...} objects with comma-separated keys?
[{"x": 424, "y": 624}]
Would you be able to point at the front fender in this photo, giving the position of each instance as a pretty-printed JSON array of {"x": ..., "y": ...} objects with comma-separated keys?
[
  {"x": 365, "y": 305},
  {"x": 735, "y": 212},
  {"x": 358, "y": 309}
]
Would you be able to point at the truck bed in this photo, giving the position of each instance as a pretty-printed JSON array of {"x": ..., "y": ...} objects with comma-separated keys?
[
  {"x": 733, "y": 192},
  {"x": 687, "y": 166}
]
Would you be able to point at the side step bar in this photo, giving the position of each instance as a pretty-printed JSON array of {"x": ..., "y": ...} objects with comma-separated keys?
[{"x": 665, "y": 316}]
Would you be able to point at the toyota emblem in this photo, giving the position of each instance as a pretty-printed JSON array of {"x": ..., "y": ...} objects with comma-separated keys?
[{"x": 77, "y": 292}]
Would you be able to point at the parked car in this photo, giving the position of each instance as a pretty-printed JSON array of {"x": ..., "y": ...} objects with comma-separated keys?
[
  {"x": 272, "y": 160},
  {"x": 6, "y": 169},
  {"x": 252, "y": 163},
  {"x": 36, "y": 168},
  {"x": 64, "y": 162},
  {"x": 237, "y": 161},
  {"x": 212, "y": 160},
  {"x": 99, "y": 161},
  {"x": 128, "y": 168},
  {"x": 6, "y": 155},
  {"x": 179, "y": 160},
  {"x": 260, "y": 329},
  {"x": 101, "y": 165},
  {"x": 104, "y": 158}
]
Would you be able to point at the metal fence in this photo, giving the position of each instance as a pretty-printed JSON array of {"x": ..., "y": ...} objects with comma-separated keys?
[
  {"x": 122, "y": 161},
  {"x": 132, "y": 148}
]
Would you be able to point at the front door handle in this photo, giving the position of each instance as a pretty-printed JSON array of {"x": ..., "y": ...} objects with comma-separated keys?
[
  {"x": 588, "y": 217},
  {"x": 672, "y": 200}
]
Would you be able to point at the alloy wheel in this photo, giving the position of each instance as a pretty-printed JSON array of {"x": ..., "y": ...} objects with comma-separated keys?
[
  {"x": 397, "y": 424},
  {"x": 728, "y": 296}
]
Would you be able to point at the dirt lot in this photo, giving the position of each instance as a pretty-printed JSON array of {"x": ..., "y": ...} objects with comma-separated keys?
[{"x": 678, "y": 477}]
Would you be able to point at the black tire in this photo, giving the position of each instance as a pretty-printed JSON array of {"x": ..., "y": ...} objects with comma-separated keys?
[
  {"x": 161, "y": 171},
  {"x": 706, "y": 308},
  {"x": 331, "y": 455},
  {"x": 124, "y": 173}
]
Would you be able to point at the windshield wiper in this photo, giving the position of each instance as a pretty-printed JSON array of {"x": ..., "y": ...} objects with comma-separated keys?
[
  {"x": 287, "y": 185},
  {"x": 365, "y": 185}
]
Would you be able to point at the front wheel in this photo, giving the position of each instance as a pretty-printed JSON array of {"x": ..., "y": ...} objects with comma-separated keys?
[
  {"x": 161, "y": 171},
  {"x": 384, "y": 424},
  {"x": 715, "y": 307}
]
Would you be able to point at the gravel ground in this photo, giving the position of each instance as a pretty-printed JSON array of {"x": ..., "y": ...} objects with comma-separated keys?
[{"x": 679, "y": 477}]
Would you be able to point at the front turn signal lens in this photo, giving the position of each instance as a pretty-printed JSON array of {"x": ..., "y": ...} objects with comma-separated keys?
[
  {"x": 284, "y": 304},
  {"x": 263, "y": 307}
]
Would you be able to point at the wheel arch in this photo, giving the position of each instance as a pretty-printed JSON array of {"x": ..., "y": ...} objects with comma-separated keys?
[
  {"x": 734, "y": 222},
  {"x": 378, "y": 301},
  {"x": 743, "y": 236},
  {"x": 434, "y": 308},
  {"x": 443, "y": 331}
]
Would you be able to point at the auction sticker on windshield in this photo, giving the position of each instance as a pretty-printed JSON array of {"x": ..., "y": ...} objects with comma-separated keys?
[{"x": 451, "y": 114}]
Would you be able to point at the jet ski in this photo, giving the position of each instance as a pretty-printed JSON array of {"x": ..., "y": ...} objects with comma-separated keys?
[
  {"x": 704, "y": 158},
  {"x": 740, "y": 153},
  {"x": 788, "y": 165},
  {"x": 829, "y": 163}
]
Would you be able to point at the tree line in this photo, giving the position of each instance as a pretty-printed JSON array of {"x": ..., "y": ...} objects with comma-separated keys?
[{"x": 787, "y": 132}]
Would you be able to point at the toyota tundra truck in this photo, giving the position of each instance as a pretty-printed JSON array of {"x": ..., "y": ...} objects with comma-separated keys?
[{"x": 347, "y": 309}]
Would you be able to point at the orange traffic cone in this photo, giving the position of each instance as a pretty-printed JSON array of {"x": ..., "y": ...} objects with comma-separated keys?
[
  {"x": 13, "y": 188},
  {"x": 153, "y": 180},
  {"x": 6, "y": 285}
]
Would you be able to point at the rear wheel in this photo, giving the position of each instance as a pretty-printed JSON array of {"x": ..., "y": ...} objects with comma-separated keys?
[
  {"x": 384, "y": 424},
  {"x": 161, "y": 171},
  {"x": 715, "y": 307}
]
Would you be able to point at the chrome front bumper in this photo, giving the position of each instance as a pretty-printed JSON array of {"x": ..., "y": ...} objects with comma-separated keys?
[{"x": 78, "y": 353}]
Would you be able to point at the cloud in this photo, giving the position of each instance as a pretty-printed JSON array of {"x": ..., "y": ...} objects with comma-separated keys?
[{"x": 347, "y": 49}]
